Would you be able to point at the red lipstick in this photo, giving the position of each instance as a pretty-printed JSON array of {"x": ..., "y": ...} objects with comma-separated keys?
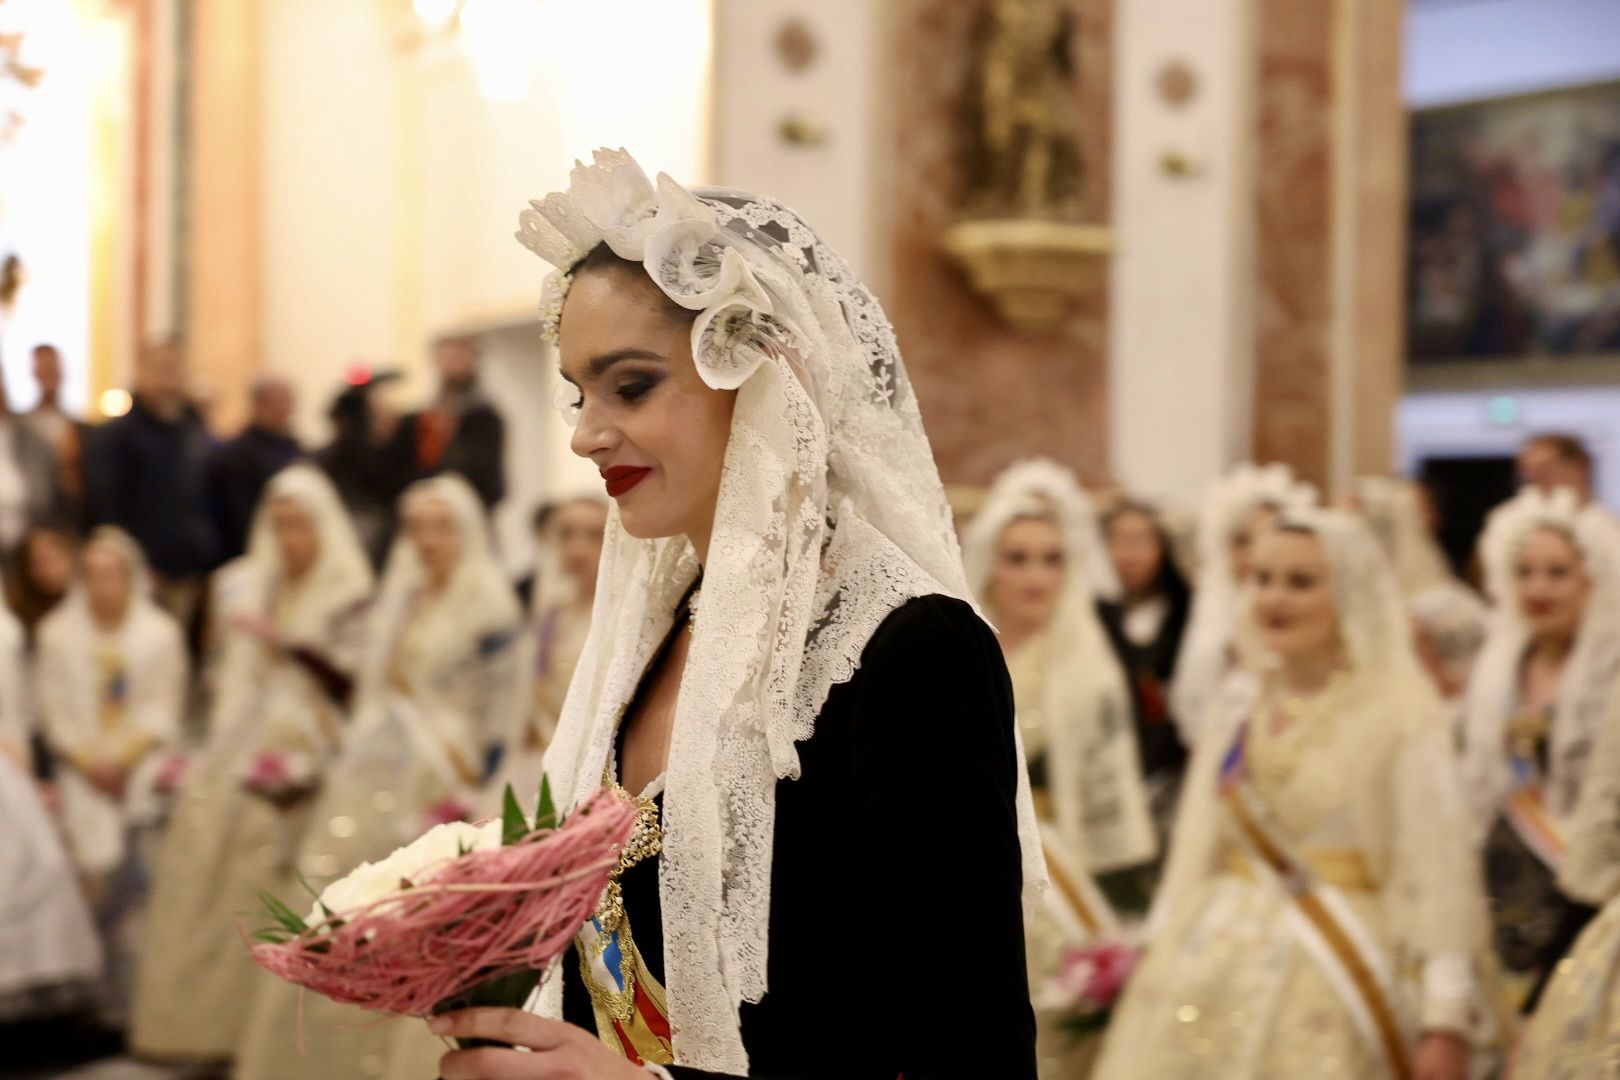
[{"x": 621, "y": 478}]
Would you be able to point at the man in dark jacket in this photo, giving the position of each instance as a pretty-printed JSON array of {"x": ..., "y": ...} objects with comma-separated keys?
[
  {"x": 145, "y": 473},
  {"x": 242, "y": 466},
  {"x": 359, "y": 459},
  {"x": 461, "y": 432}
]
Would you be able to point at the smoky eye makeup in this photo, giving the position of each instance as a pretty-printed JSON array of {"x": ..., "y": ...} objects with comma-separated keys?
[{"x": 632, "y": 387}]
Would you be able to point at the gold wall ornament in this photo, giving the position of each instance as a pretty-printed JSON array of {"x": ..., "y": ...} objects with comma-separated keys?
[
  {"x": 1023, "y": 146},
  {"x": 795, "y": 129},
  {"x": 1021, "y": 238}
]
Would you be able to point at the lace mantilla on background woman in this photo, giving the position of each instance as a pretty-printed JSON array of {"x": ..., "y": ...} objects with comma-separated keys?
[
  {"x": 1074, "y": 707},
  {"x": 1234, "y": 512}
]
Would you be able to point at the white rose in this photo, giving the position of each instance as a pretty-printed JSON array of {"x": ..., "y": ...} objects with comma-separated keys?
[{"x": 371, "y": 882}]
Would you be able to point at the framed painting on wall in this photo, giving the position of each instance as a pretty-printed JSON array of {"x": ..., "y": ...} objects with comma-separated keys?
[{"x": 1514, "y": 232}]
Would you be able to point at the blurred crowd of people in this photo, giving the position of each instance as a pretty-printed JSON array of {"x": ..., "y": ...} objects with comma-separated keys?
[
  {"x": 234, "y": 666},
  {"x": 187, "y": 496},
  {"x": 194, "y": 626}
]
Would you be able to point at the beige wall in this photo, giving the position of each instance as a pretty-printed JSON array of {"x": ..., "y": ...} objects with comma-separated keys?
[
  {"x": 838, "y": 184},
  {"x": 223, "y": 328},
  {"x": 392, "y": 187},
  {"x": 330, "y": 209},
  {"x": 1181, "y": 331}
]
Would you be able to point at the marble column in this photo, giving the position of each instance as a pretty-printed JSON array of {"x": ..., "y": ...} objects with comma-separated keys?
[{"x": 1331, "y": 189}]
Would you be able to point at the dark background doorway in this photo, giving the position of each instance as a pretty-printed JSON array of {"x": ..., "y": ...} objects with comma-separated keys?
[{"x": 1465, "y": 490}]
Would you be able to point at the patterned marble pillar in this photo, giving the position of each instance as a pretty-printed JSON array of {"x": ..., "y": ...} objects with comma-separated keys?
[
  {"x": 1293, "y": 415},
  {"x": 1331, "y": 135},
  {"x": 990, "y": 396}
]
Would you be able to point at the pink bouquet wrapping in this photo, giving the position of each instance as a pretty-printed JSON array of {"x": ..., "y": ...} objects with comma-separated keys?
[{"x": 465, "y": 915}]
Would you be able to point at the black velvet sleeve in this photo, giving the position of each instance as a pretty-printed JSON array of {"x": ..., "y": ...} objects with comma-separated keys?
[
  {"x": 940, "y": 784},
  {"x": 939, "y": 971}
]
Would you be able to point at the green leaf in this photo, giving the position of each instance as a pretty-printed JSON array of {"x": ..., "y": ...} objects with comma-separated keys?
[
  {"x": 508, "y": 991},
  {"x": 286, "y": 916},
  {"x": 545, "y": 815},
  {"x": 302, "y": 880},
  {"x": 514, "y": 827}
]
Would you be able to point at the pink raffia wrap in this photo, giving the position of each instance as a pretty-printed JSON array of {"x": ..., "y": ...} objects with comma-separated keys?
[{"x": 482, "y": 916}]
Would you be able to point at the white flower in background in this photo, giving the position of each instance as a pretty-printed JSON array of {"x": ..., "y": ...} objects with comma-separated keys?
[{"x": 371, "y": 882}]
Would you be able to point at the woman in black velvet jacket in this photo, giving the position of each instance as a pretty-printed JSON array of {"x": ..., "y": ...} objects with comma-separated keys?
[{"x": 829, "y": 870}]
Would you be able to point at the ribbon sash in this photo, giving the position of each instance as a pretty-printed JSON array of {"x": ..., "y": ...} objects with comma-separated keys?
[
  {"x": 1074, "y": 901},
  {"x": 1527, "y": 813},
  {"x": 1323, "y": 920}
]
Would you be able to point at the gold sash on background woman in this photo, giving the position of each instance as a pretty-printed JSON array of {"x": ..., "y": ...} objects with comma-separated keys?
[{"x": 1322, "y": 918}]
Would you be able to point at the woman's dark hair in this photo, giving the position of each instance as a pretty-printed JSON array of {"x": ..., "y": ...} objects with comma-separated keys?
[
  {"x": 543, "y": 513},
  {"x": 1169, "y": 581},
  {"x": 27, "y": 600},
  {"x": 603, "y": 259}
]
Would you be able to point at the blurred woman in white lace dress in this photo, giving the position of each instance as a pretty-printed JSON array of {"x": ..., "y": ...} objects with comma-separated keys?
[
  {"x": 112, "y": 679},
  {"x": 436, "y": 701},
  {"x": 1034, "y": 558},
  {"x": 49, "y": 952},
  {"x": 1535, "y": 710},
  {"x": 1576, "y": 1028},
  {"x": 1448, "y": 618},
  {"x": 290, "y": 616},
  {"x": 569, "y": 552},
  {"x": 1321, "y": 907}
]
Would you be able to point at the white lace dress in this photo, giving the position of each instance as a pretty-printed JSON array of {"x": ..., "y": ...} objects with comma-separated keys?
[{"x": 1227, "y": 990}]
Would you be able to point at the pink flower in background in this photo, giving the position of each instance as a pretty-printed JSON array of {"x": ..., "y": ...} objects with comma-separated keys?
[
  {"x": 172, "y": 773},
  {"x": 446, "y": 810},
  {"x": 1102, "y": 970},
  {"x": 279, "y": 775},
  {"x": 1090, "y": 980}
]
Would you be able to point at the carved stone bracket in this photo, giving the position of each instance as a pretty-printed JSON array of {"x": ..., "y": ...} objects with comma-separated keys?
[{"x": 1030, "y": 270}]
